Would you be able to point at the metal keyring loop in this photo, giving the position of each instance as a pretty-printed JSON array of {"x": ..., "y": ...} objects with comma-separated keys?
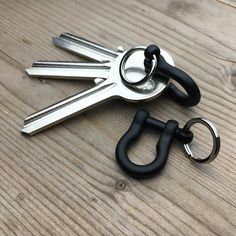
[
  {"x": 216, "y": 140},
  {"x": 146, "y": 77}
]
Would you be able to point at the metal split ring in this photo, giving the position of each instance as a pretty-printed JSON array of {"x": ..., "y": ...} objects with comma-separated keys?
[
  {"x": 146, "y": 77},
  {"x": 216, "y": 140}
]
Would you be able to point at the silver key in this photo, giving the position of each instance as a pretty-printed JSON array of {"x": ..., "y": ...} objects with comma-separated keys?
[
  {"x": 74, "y": 70},
  {"x": 85, "y": 48},
  {"x": 70, "y": 70},
  {"x": 126, "y": 79}
]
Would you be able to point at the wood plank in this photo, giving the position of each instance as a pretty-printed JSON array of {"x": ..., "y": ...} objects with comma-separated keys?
[{"x": 65, "y": 181}]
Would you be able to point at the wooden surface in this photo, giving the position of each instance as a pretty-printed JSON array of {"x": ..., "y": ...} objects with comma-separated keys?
[{"x": 65, "y": 181}]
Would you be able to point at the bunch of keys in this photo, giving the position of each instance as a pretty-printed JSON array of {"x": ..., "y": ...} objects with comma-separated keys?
[
  {"x": 117, "y": 74},
  {"x": 138, "y": 74}
]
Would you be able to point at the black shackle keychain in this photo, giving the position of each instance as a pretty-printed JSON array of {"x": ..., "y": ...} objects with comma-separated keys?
[
  {"x": 169, "y": 131},
  {"x": 192, "y": 96}
]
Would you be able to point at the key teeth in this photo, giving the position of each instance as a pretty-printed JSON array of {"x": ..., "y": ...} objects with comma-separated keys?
[
  {"x": 27, "y": 130},
  {"x": 24, "y": 131},
  {"x": 55, "y": 40},
  {"x": 27, "y": 71},
  {"x": 98, "y": 81},
  {"x": 61, "y": 36},
  {"x": 36, "y": 63},
  {"x": 65, "y": 34},
  {"x": 26, "y": 121}
]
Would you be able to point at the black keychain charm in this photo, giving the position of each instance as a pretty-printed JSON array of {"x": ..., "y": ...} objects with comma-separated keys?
[
  {"x": 192, "y": 96},
  {"x": 169, "y": 131}
]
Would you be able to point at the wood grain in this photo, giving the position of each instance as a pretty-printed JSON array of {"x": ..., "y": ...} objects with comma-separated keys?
[{"x": 65, "y": 181}]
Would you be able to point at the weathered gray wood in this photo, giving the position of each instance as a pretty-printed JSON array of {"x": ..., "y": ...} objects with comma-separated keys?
[{"x": 65, "y": 181}]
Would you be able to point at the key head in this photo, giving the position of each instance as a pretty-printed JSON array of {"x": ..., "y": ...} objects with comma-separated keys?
[{"x": 133, "y": 82}]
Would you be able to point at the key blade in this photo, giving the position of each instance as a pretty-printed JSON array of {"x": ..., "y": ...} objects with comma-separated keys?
[
  {"x": 68, "y": 70},
  {"x": 85, "y": 48},
  {"x": 68, "y": 108}
]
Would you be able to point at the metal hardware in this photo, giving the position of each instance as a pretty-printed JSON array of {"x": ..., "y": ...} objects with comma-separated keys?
[
  {"x": 169, "y": 131},
  {"x": 106, "y": 74},
  {"x": 216, "y": 140}
]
